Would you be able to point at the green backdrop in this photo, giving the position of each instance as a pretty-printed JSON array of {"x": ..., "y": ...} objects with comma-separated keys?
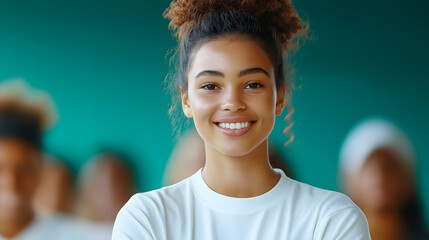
[{"x": 103, "y": 62}]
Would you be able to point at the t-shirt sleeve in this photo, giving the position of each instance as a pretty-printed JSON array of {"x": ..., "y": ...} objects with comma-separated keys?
[
  {"x": 345, "y": 224},
  {"x": 132, "y": 223}
]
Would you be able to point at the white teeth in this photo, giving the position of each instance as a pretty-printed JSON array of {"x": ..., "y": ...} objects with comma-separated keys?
[{"x": 238, "y": 125}]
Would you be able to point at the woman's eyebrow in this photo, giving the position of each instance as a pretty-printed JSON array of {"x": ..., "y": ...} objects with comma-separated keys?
[
  {"x": 240, "y": 74},
  {"x": 252, "y": 70},
  {"x": 210, "y": 73}
]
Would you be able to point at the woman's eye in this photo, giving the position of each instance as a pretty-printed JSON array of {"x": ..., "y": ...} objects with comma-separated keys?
[
  {"x": 254, "y": 85},
  {"x": 210, "y": 87}
]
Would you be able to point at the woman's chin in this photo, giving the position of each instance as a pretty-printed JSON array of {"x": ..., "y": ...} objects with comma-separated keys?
[{"x": 235, "y": 150}]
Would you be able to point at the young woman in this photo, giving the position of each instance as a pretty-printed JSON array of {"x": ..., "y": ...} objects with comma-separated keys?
[{"x": 232, "y": 85}]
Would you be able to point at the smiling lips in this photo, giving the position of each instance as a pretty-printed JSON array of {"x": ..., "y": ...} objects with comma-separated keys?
[{"x": 235, "y": 127}]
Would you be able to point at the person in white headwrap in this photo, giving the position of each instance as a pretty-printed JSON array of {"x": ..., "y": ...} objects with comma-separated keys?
[{"x": 377, "y": 171}]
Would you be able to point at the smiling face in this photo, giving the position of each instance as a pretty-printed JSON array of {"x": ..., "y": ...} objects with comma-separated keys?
[{"x": 232, "y": 95}]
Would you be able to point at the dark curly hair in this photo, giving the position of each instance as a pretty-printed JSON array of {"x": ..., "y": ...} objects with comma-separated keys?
[
  {"x": 25, "y": 112},
  {"x": 270, "y": 23}
]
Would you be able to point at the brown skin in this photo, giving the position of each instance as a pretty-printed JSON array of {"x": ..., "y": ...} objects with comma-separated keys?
[
  {"x": 235, "y": 166},
  {"x": 20, "y": 167},
  {"x": 55, "y": 191},
  {"x": 105, "y": 190},
  {"x": 381, "y": 188}
]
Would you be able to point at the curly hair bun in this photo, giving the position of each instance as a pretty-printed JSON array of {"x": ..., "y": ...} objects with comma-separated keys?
[{"x": 278, "y": 14}]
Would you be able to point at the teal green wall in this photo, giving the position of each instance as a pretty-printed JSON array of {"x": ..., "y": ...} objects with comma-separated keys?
[{"x": 104, "y": 61}]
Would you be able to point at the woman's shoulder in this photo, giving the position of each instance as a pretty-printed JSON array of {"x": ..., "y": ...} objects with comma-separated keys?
[
  {"x": 334, "y": 212},
  {"x": 165, "y": 195},
  {"x": 315, "y": 195},
  {"x": 146, "y": 213},
  {"x": 158, "y": 199},
  {"x": 321, "y": 202}
]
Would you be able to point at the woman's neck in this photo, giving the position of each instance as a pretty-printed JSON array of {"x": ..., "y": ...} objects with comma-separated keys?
[{"x": 240, "y": 176}]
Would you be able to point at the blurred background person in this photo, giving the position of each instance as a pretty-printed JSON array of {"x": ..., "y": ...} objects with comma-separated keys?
[
  {"x": 377, "y": 167},
  {"x": 188, "y": 156},
  {"x": 55, "y": 192},
  {"x": 25, "y": 114},
  {"x": 105, "y": 184}
]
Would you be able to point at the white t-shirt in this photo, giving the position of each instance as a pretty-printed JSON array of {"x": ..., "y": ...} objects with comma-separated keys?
[
  {"x": 191, "y": 210},
  {"x": 62, "y": 227}
]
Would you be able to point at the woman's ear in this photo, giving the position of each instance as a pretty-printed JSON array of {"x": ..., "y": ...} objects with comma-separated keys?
[
  {"x": 281, "y": 91},
  {"x": 185, "y": 103}
]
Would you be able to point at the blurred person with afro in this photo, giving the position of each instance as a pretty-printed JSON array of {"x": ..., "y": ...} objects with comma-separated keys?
[{"x": 25, "y": 114}]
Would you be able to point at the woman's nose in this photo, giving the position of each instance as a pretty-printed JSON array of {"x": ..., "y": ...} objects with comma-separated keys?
[{"x": 233, "y": 101}]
